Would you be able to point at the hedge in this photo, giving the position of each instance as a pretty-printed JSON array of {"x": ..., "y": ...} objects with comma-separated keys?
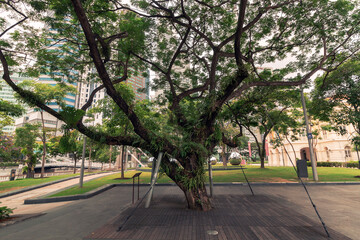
[
  {"x": 235, "y": 161},
  {"x": 351, "y": 164}
]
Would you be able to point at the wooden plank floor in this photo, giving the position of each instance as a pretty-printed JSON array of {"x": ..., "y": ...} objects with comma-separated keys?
[{"x": 234, "y": 217}]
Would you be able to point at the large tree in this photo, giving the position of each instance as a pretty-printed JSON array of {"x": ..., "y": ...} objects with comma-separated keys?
[{"x": 203, "y": 53}]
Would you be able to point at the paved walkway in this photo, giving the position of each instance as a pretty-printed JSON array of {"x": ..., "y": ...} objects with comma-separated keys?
[
  {"x": 17, "y": 201},
  {"x": 235, "y": 216},
  {"x": 276, "y": 205}
]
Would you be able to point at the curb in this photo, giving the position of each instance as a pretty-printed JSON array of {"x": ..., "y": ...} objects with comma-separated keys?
[
  {"x": 8, "y": 194},
  {"x": 19, "y": 218},
  {"x": 71, "y": 197},
  {"x": 109, "y": 186}
]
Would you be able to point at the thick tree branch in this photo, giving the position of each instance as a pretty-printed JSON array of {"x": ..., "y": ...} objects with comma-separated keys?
[
  {"x": 103, "y": 74},
  {"x": 24, "y": 93}
]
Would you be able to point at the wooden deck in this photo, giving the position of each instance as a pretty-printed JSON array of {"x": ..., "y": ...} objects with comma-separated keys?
[{"x": 234, "y": 217}]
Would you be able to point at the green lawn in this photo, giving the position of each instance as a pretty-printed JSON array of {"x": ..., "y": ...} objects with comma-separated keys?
[
  {"x": 254, "y": 174},
  {"x": 27, "y": 182}
]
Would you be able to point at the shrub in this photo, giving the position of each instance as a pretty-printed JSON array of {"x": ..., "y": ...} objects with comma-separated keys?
[
  {"x": 352, "y": 164},
  {"x": 5, "y": 212},
  {"x": 213, "y": 162},
  {"x": 150, "y": 164},
  {"x": 235, "y": 161}
]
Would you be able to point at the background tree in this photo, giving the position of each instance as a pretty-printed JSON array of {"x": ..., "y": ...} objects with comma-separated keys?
[
  {"x": 263, "y": 110},
  {"x": 336, "y": 97},
  {"x": 9, "y": 153},
  {"x": 8, "y": 111},
  {"x": 47, "y": 94},
  {"x": 203, "y": 53},
  {"x": 70, "y": 143},
  {"x": 102, "y": 153},
  {"x": 25, "y": 138}
]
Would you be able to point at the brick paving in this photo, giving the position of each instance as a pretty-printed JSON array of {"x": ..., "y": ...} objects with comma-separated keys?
[{"x": 234, "y": 217}]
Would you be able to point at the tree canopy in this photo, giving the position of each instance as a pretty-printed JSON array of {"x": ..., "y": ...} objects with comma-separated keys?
[
  {"x": 205, "y": 53},
  {"x": 336, "y": 97}
]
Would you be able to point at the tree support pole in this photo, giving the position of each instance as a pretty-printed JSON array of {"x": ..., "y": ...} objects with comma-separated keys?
[
  {"x": 210, "y": 178},
  {"x": 153, "y": 180},
  {"x": 309, "y": 137},
  {"x": 82, "y": 164}
]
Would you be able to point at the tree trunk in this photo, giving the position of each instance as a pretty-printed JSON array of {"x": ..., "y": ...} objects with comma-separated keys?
[
  {"x": 122, "y": 161},
  {"x": 191, "y": 181},
  {"x": 30, "y": 167},
  {"x": 44, "y": 145},
  {"x": 197, "y": 198},
  {"x": 110, "y": 157},
  {"x": 89, "y": 166},
  {"x": 223, "y": 156},
  {"x": 75, "y": 159}
]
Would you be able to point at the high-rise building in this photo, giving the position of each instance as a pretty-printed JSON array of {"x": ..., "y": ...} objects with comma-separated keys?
[
  {"x": 33, "y": 116},
  {"x": 7, "y": 94},
  {"x": 84, "y": 90}
]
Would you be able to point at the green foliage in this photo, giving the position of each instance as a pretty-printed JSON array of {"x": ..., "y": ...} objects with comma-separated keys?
[
  {"x": 11, "y": 109},
  {"x": 71, "y": 115},
  {"x": 336, "y": 97},
  {"x": 351, "y": 164},
  {"x": 25, "y": 137},
  {"x": 5, "y": 212},
  {"x": 9, "y": 153},
  {"x": 69, "y": 143},
  {"x": 235, "y": 161},
  {"x": 194, "y": 179},
  {"x": 190, "y": 45}
]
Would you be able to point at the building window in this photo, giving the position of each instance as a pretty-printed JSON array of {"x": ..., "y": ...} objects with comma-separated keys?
[{"x": 347, "y": 152}]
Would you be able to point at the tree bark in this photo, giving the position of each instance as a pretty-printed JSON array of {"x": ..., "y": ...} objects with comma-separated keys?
[
  {"x": 223, "y": 155},
  {"x": 197, "y": 198},
  {"x": 122, "y": 161},
  {"x": 110, "y": 157},
  {"x": 75, "y": 158}
]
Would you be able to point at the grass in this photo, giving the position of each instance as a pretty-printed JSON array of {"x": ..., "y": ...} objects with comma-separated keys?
[
  {"x": 8, "y": 186},
  {"x": 253, "y": 173}
]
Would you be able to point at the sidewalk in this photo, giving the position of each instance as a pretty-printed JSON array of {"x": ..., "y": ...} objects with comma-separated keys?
[
  {"x": 17, "y": 201},
  {"x": 236, "y": 215},
  {"x": 282, "y": 211}
]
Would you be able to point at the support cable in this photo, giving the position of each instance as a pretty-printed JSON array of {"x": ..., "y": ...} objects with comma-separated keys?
[
  {"x": 133, "y": 211},
  {"x": 153, "y": 181},
  {"x": 302, "y": 183}
]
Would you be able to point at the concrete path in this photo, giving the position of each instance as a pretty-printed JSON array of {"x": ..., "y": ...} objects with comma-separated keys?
[
  {"x": 17, "y": 201},
  {"x": 74, "y": 220}
]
